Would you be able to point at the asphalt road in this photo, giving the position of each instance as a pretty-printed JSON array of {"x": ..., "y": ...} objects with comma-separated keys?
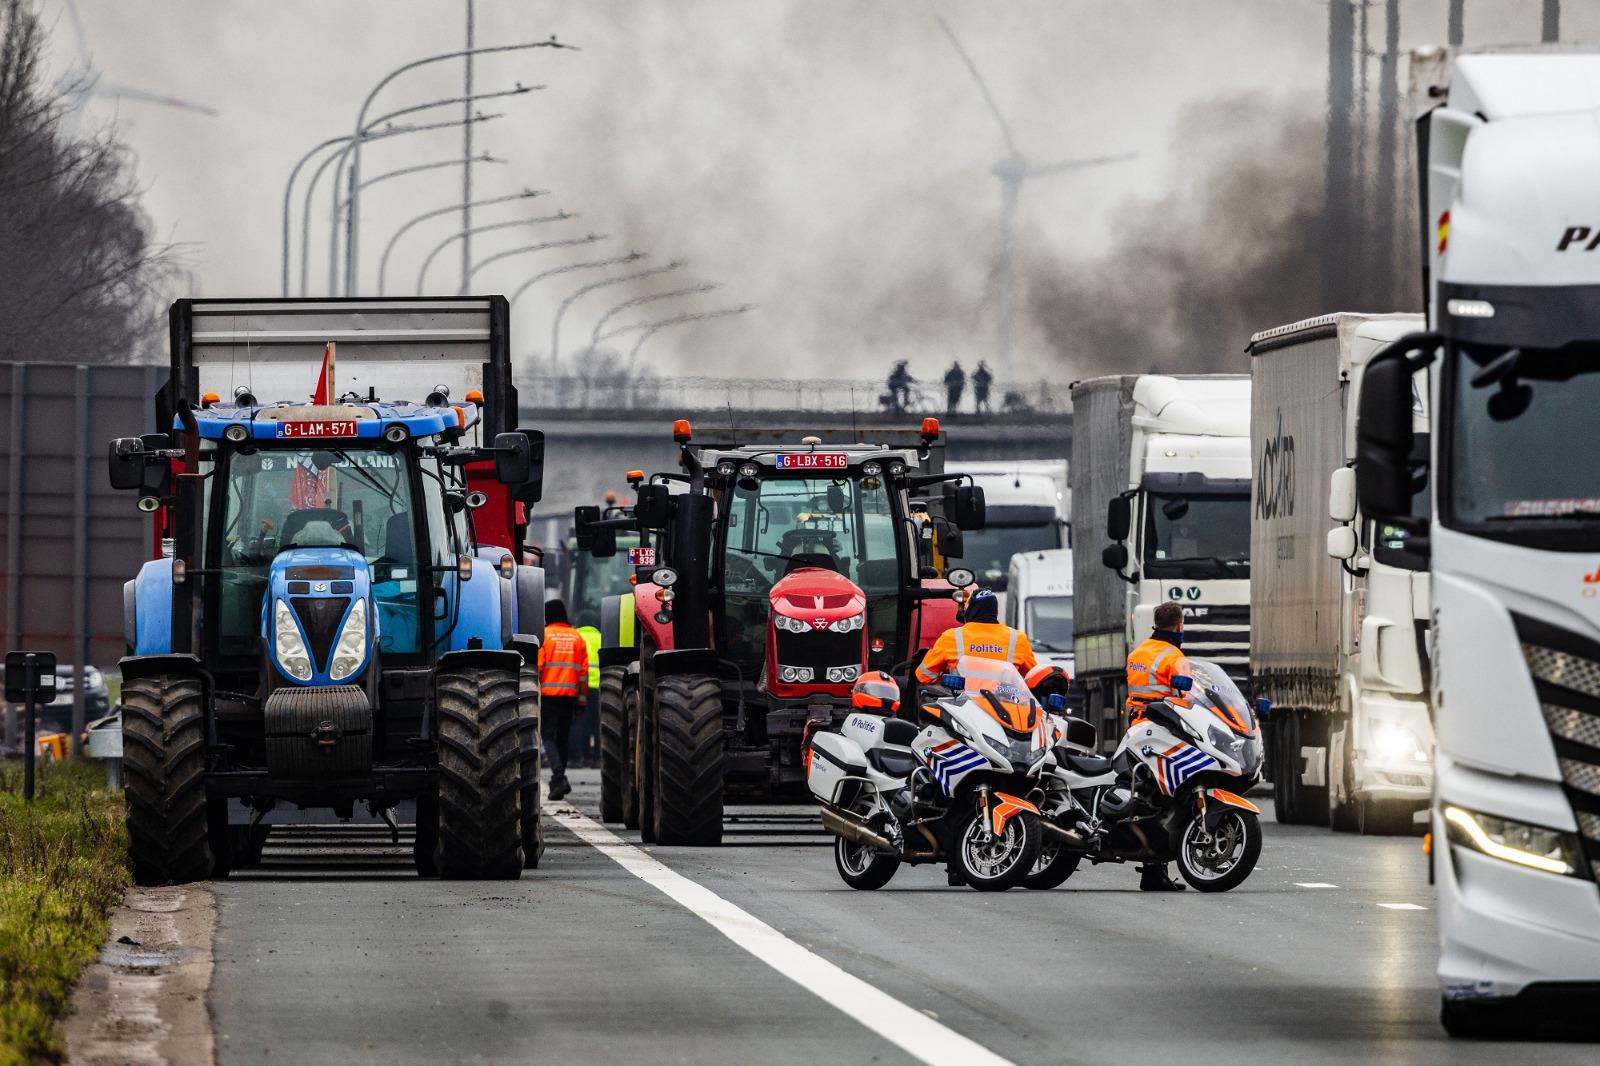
[{"x": 335, "y": 951}]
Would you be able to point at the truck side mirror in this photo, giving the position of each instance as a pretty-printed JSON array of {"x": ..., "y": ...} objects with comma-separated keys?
[
  {"x": 1342, "y": 542},
  {"x": 1342, "y": 494},
  {"x": 1115, "y": 556},
  {"x": 126, "y": 460},
  {"x": 1119, "y": 518},
  {"x": 650, "y": 507},
  {"x": 1383, "y": 426},
  {"x": 968, "y": 508}
]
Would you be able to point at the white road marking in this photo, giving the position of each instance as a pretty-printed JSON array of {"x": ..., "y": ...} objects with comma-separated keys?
[
  {"x": 1402, "y": 907},
  {"x": 1314, "y": 884},
  {"x": 907, "y": 1028}
]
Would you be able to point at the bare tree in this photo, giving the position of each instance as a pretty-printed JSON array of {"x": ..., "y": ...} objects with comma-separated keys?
[{"x": 79, "y": 271}]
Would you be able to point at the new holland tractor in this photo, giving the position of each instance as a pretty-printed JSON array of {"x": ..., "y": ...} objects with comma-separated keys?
[
  {"x": 339, "y": 614},
  {"x": 769, "y": 577}
]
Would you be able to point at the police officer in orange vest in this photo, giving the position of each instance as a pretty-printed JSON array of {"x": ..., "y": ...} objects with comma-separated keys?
[
  {"x": 980, "y": 634},
  {"x": 1151, "y": 668},
  {"x": 563, "y": 690}
]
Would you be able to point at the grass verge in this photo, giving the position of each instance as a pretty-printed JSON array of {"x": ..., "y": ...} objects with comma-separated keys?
[{"x": 63, "y": 866}]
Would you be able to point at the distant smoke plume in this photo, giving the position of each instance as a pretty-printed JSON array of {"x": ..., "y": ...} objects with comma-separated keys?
[{"x": 1236, "y": 249}]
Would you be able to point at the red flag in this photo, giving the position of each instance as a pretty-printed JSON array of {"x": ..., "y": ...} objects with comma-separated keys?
[
  {"x": 324, "y": 394},
  {"x": 309, "y": 488}
]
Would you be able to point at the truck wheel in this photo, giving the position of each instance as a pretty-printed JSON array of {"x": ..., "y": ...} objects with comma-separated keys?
[
  {"x": 528, "y": 769},
  {"x": 1311, "y": 801},
  {"x": 1480, "y": 1020},
  {"x": 1385, "y": 817},
  {"x": 480, "y": 832},
  {"x": 688, "y": 757},
  {"x": 1344, "y": 817},
  {"x": 1284, "y": 772},
  {"x": 630, "y": 754},
  {"x": 613, "y": 743},
  {"x": 163, "y": 760}
]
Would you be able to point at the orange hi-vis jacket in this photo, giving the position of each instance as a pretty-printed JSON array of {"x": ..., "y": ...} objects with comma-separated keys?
[
  {"x": 1151, "y": 668},
  {"x": 563, "y": 662},
  {"x": 983, "y": 640}
]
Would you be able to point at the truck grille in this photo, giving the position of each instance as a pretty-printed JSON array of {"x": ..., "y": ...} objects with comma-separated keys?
[
  {"x": 1566, "y": 676},
  {"x": 1221, "y": 634}
]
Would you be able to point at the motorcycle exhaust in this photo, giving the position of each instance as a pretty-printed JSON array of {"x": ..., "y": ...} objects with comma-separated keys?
[
  {"x": 853, "y": 828},
  {"x": 1061, "y": 833}
]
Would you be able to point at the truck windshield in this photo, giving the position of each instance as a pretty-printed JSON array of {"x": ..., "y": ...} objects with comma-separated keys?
[
  {"x": 1197, "y": 536},
  {"x": 1048, "y": 623},
  {"x": 987, "y": 552},
  {"x": 278, "y": 499},
  {"x": 775, "y": 525},
  {"x": 1522, "y": 463}
]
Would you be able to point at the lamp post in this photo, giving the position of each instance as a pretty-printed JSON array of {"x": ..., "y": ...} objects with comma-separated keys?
[
  {"x": 594, "y": 338},
  {"x": 559, "y": 216},
  {"x": 646, "y": 330},
  {"x": 621, "y": 279},
  {"x": 570, "y": 242},
  {"x": 383, "y": 260},
  {"x": 353, "y": 232},
  {"x": 567, "y": 268}
]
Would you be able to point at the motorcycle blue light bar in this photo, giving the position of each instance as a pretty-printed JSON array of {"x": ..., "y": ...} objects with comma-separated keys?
[{"x": 955, "y": 681}]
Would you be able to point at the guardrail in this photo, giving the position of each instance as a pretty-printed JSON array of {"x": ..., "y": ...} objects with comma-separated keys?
[{"x": 691, "y": 394}]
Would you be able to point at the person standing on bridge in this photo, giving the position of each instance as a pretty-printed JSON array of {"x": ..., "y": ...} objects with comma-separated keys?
[
  {"x": 900, "y": 382},
  {"x": 982, "y": 378},
  {"x": 563, "y": 690},
  {"x": 955, "y": 383}
]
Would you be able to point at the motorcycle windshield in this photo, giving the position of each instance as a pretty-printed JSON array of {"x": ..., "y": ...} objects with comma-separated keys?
[
  {"x": 1012, "y": 705},
  {"x": 1216, "y": 691}
]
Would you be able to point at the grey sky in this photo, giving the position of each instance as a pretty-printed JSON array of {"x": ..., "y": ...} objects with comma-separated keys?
[{"x": 827, "y": 160}]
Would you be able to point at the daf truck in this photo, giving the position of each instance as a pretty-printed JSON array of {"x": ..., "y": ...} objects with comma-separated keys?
[
  {"x": 1161, "y": 486},
  {"x": 1338, "y": 640},
  {"x": 1509, "y": 145}
]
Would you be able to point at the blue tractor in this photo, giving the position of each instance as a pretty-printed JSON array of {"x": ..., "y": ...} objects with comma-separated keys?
[{"x": 326, "y": 624}]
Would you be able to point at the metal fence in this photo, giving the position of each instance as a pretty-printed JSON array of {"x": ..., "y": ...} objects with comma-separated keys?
[
  {"x": 68, "y": 541},
  {"x": 575, "y": 393}
]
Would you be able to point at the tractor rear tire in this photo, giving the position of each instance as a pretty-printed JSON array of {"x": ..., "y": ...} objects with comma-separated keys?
[
  {"x": 613, "y": 743},
  {"x": 529, "y": 766},
  {"x": 688, "y": 759},
  {"x": 164, "y": 763},
  {"x": 480, "y": 831},
  {"x": 632, "y": 755}
]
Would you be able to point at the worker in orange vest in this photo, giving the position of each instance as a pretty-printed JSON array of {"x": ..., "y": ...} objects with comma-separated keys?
[
  {"x": 980, "y": 635},
  {"x": 1151, "y": 668},
  {"x": 563, "y": 690}
]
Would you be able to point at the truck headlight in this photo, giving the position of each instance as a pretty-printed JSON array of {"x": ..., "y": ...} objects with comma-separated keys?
[
  {"x": 1396, "y": 743},
  {"x": 351, "y": 651},
  {"x": 789, "y": 625},
  {"x": 849, "y": 625},
  {"x": 290, "y": 647},
  {"x": 1550, "y": 850}
]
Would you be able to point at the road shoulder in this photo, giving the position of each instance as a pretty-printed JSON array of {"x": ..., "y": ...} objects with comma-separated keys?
[{"x": 145, "y": 999}]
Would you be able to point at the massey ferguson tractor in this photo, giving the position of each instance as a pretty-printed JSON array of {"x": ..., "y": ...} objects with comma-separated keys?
[
  {"x": 769, "y": 577},
  {"x": 337, "y": 614}
]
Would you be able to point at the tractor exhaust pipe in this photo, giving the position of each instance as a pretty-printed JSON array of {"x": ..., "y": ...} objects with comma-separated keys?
[{"x": 852, "y": 828}]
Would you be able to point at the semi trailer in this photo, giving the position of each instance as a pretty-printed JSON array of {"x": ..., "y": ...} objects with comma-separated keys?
[{"x": 1338, "y": 639}]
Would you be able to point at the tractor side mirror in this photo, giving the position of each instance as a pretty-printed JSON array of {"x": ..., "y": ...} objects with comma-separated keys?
[
  {"x": 967, "y": 507},
  {"x": 952, "y": 543},
  {"x": 583, "y": 519},
  {"x": 650, "y": 506},
  {"x": 1119, "y": 518},
  {"x": 127, "y": 460},
  {"x": 519, "y": 462},
  {"x": 1342, "y": 494},
  {"x": 605, "y": 544}
]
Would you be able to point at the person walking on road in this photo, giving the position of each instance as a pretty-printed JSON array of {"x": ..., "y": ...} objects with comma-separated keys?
[
  {"x": 1152, "y": 666},
  {"x": 955, "y": 383},
  {"x": 563, "y": 690},
  {"x": 982, "y": 378}
]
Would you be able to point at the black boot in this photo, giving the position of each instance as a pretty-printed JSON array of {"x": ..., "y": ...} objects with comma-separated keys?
[
  {"x": 559, "y": 786},
  {"x": 1153, "y": 877},
  {"x": 953, "y": 877}
]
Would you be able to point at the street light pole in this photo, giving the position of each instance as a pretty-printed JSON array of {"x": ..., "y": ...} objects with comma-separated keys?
[
  {"x": 567, "y": 268},
  {"x": 646, "y": 330},
  {"x": 383, "y": 260},
  {"x": 569, "y": 242},
  {"x": 622, "y": 279},
  {"x": 288, "y": 191},
  {"x": 594, "y": 338},
  {"x": 353, "y": 226},
  {"x": 559, "y": 216}
]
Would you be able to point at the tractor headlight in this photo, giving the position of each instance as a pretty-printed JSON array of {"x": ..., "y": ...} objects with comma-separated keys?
[
  {"x": 1550, "y": 850},
  {"x": 293, "y": 656},
  {"x": 790, "y": 625},
  {"x": 796, "y": 674},
  {"x": 840, "y": 674},
  {"x": 351, "y": 651},
  {"x": 849, "y": 625}
]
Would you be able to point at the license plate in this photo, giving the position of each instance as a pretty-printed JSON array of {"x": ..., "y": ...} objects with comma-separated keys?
[
  {"x": 342, "y": 428},
  {"x": 813, "y": 461},
  {"x": 641, "y": 557}
]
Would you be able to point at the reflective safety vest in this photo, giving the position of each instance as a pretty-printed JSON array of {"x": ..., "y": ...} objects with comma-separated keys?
[
  {"x": 591, "y": 643},
  {"x": 983, "y": 640},
  {"x": 1151, "y": 668},
  {"x": 563, "y": 662}
]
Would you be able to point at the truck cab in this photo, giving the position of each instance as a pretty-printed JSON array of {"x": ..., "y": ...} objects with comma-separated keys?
[{"x": 1040, "y": 603}]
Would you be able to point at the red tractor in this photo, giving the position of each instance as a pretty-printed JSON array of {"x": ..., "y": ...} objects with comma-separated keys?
[{"x": 769, "y": 577}]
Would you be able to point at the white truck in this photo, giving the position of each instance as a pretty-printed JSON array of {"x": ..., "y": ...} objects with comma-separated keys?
[
  {"x": 1339, "y": 645},
  {"x": 1026, "y": 510},
  {"x": 1161, "y": 484},
  {"x": 1509, "y": 141},
  {"x": 1039, "y": 602}
]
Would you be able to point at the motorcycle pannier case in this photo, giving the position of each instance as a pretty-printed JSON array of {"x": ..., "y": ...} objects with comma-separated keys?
[{"x": 834, "y": 758}]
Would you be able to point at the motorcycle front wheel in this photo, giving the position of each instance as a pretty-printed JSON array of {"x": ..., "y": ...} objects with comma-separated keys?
[
  {"x": 863, "y": 868},
  {"x": 994, "y": 862},
  {"x": 1221, "y": 858}
]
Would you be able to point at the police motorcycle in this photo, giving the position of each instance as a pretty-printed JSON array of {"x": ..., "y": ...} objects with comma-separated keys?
[
  {"x": 1170, "y": 793},
  {"x": 960, "y": 784}
]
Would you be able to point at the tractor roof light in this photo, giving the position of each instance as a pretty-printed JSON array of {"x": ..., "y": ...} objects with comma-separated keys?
[
  {"x": 682, "y": 432},
  {"x": 930, "y": 429},
  {"x": 208, "y": 399},
  {"x": 475, "y": 397},
  {"x": 461, "y": 416},
  {"x": 244, "y": 397},
  {"x": 464, "y": 568},
  {"x": 634, "y": 477},
  {"x": 749, "y": 470},
  {"x": 611, "y": 497}
]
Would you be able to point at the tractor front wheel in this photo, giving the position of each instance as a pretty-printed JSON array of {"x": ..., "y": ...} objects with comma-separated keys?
[
  {"x": 164, "y": 762},
  {"x": 480, "y": 831},
  {"x": 688, "y": 760}
]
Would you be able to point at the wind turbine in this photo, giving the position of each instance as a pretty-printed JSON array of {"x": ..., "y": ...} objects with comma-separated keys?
[
  {"x": 1013, "y": 169},
  {"x": 82, "y": 79}
]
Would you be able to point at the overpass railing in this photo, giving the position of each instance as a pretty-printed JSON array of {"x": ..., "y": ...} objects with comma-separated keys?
[{"x": 690, "y": 394}]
